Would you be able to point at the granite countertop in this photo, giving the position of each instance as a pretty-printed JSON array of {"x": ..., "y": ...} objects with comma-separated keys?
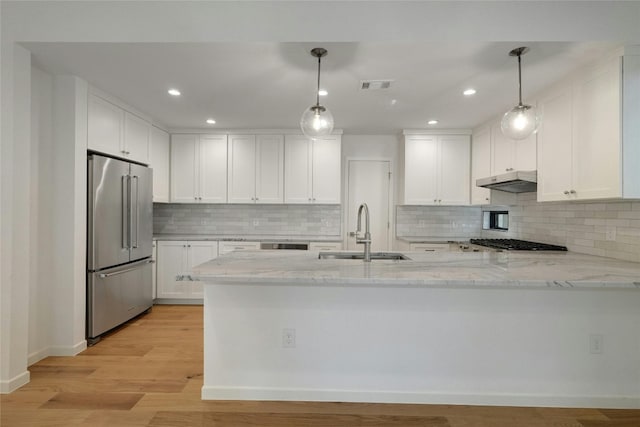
[
  {"x": 248, "y": 238},
  {"x": 564, "y": 270}
]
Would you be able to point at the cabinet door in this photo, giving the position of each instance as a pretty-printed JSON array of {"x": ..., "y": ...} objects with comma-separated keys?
[
  {"x": 269, "y": 169},
  {"x": 526, "y": 153},
  {"x": 200, "y": 252},
  {"x": 228, "y": 247},
  {"x": 503, "y": 151},
  {"x": 184, "y": 168},
  {"x": 136, "y": 138},
  {"x": 297, "y": 169},
  {"x": 213, "y": 169},
  {"x": 172, "y": 260},
  {"x": 421, "y": 170},
  {"x": 154, "y": 275},
  {"x": 555, "y": 145},
  {"x": 325, "y": 246},
  {"x": 242, "y": 169},
  {"x": 480, "y": 164},
  {"x": 105, "y": 126},
  {"x": 454, "y": 169},
  {"x": 596, "y": 151},
  {"x": 159, "y": 162},
  {"x": 326, "y": 170}
]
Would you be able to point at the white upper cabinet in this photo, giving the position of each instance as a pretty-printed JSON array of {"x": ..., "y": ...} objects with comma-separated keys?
[
  {"x": 312, "y": 171},
  {"x": 256, "y": 169},
  {"x": 421, "y": 170},
  {"x": 105, "y": 126},
  {"x": 137, "y": 134},
  {"x": 480, "y": 164},
  {"x": 581, "y": 143},
  {"x": 114, "y": 131},
  {"x": 437, "y": 169},
  {"x": 199, "y": 168},
  {"x": 509, "y": 154},
  {"x": 242, "y": 169},
  {"x": 159, "y": 162}
]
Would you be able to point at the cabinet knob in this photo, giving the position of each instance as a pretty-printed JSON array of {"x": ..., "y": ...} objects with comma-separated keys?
[
  {"x": 486, "y": 198},
  {"x": 572, "y": 191},
  {"x": 314, "y": 199},
  {"x": 435, "y": 200},
  {"x": 257, "y": 199},
  {"x": 439, "y": 201},
  {"x": 566, "y": 192}
]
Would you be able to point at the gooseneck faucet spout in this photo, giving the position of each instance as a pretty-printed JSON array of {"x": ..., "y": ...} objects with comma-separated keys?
[{"x": 366, "y": 240}]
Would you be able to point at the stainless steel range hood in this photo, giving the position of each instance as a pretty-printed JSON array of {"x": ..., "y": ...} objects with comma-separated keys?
[{"x": 512, "y": 182}]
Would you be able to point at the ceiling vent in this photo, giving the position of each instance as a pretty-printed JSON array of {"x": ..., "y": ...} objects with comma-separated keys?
[{"x": 375, "y": 84}]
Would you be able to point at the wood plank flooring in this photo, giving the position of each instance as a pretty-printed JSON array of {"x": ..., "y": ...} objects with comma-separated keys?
[{"x": 149, "y": 373}]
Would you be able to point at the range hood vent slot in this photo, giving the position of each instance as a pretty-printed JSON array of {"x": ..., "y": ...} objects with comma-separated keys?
[
  {"x": 512, "y": 182},
  {"x": 375, "y": 84}
]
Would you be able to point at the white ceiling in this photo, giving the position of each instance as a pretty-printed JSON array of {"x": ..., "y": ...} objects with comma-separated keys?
[{"x": 268, "y": 85}]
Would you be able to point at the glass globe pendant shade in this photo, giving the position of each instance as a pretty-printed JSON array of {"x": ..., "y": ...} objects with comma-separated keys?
[
  {"x": 520, "y": 122},
  {"x": 316, "y": 121}
]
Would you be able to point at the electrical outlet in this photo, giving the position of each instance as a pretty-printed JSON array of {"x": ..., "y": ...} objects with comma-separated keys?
[
  {"x": 595, "y": 344},
  {"x": 610, "y": 234},
  {"x": 288, "y": 338}
]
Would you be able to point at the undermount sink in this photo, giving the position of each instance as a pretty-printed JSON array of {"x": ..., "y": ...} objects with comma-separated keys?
[{"x": 395, "y": 256}]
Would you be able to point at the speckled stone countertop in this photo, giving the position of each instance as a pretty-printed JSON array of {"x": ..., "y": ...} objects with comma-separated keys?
[
  {"x": 247, "y": 238},
  {"x": 563, "y": 270}
]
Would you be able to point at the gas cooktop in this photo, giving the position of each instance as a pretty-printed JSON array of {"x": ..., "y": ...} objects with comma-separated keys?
[{"x": 516, "y": 245}]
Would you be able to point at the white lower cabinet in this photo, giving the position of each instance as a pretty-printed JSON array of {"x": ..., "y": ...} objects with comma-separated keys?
[
  {"x": 154, "y": 275},
  {"x": 325, "y": 246},
  {"x": 177, "y": 258}
]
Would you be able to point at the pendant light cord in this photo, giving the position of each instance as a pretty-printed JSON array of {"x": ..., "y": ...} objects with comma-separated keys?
[
  {"x": 519, "y": 82},
  {"x": 318, "y": 90}
]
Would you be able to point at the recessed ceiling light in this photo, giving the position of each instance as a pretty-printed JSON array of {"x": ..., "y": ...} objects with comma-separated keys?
[
  {"x": 469, "y": 92},
  {"x": 432, "y": 122},
  {"x": 211, "y": 121},
  {"x": 173, "y": 92},
  {"x": 323, "y": 92}
]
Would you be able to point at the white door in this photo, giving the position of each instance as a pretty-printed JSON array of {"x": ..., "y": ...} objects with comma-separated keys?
[
  {"x": 369, "y": 183},
  {"x": 172, "y": 260}
]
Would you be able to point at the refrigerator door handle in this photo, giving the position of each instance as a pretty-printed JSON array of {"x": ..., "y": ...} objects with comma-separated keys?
[
  {"x": 135, "y": 216},
  {"x": 126, "y": 270},
  {"x": 125, "y": 212}
]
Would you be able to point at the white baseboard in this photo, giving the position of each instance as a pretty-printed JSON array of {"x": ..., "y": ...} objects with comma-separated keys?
[
  {"x": 37, "y": 356},
  {"x": 14, "y": 383},
  {"x": 65, "y": 350},
  {"x": 328, "y": 395}
]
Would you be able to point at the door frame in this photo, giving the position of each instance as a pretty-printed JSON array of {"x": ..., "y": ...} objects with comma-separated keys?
[{"x": 345, "y": 200}]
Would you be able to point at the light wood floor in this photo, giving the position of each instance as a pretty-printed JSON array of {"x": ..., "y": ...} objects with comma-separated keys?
[{"x": 149, "y": 373}]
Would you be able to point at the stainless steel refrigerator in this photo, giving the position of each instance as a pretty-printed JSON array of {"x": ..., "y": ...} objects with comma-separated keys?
[{"x": 119, "y": 243}]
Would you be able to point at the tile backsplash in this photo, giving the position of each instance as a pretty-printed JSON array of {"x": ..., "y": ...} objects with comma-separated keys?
[
  {"x": 438, "y": 221},
  {"x": 610, "y": 229},
  {"x": 298, "y": 220}
]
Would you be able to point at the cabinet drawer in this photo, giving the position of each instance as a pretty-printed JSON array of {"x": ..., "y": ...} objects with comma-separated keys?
[
  {"x": 429, "y": 247},
  {"x": 227, "y": 247},
  {"x": 325, "y": 246}
]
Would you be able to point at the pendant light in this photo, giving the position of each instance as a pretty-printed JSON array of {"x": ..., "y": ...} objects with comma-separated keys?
[
  {"x": 317, "y": 120},
  {"x": 522, "y": 120}
]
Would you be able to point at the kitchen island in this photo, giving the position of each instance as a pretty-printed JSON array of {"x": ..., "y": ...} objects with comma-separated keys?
[{"x": 552, "y": 329}]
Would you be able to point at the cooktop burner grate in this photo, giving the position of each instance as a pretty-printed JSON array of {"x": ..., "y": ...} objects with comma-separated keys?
[{"x": 516, "y": 245}]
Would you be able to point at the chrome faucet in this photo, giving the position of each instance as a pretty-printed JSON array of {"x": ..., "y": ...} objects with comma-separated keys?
[{"x": 366, "y": 240}]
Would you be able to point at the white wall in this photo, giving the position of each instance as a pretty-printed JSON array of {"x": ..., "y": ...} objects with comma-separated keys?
[
  {"x": 41, "y": 224},
  {"x": 15, "y": 234}
]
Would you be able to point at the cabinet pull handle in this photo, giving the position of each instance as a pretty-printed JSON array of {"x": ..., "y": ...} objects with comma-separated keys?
[
  {"x": 566, "y": 192},
  {"x": 572, "y": 191}
]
